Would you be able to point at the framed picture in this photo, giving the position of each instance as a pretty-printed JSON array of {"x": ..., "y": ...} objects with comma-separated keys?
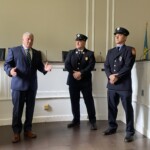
[
  {"x": 64, "y": 55},
  {"x": 2, "y": 54}
]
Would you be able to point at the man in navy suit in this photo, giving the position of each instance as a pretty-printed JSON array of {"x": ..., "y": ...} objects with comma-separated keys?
[
  {"x": 118, "y": 66},
  {"x": 79, "y": 63},
  {"x": 22, "y": 64}
]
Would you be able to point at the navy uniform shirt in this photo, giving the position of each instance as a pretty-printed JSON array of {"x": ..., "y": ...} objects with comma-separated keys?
[
  {"x": 121, "y": 63},
  {"x": 84, "y": 63}
]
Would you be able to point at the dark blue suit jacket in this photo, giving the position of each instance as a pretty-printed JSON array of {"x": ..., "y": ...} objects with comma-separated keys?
[
  {"x": 26, "y": 76},
  {"x": 120, "y": 63}
]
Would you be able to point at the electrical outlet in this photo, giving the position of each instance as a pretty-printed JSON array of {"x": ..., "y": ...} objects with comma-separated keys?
[{"x": 46, "y": 107}]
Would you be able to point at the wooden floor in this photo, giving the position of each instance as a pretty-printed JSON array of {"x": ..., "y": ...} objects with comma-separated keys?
[{"x": 56, "y": 136}]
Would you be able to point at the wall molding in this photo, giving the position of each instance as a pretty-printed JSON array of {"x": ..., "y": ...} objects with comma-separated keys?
[
  {"x": 107, "y": 26},
  {"x": 93, "y": 25},
  {"x": 87, "y": 20}
]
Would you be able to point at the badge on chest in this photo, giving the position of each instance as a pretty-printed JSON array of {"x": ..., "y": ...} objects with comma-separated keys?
[
  {"x": 86, "y": 58},
  {"x": 120, "y": 58}
]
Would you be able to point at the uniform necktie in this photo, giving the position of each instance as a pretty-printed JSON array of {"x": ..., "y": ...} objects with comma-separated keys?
[
  {"x": 80, "y": 54},
  {"x": 118, "y": 48},
  {"x": 28, "y": 57}
]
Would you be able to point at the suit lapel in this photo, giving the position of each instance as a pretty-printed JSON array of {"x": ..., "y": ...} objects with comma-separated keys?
[
  {"x": 76, "y": 55},
  {"x": 23, "y": 51},
  {"x": 24, "y": 54},
  {"x": 117, "y": 53},
  {"x": 83, "y": 55}
]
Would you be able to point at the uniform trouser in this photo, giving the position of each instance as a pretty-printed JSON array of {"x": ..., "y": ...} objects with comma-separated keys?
[
  {"x": 19, "y": 98},
  {"x": 88, "y": 99},
  {"x": 113, "y": 101}
]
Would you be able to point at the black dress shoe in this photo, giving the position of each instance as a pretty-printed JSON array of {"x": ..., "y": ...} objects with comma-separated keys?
[
  {"x": 93, "y": 126},
  {"x": 73, "y": 124},
  {"x": 129, "y": 138},
  {"x": 109, "y": 131}
]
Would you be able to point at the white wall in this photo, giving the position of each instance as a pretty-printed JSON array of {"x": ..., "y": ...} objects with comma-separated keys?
[{"x": 141, "y": 96}]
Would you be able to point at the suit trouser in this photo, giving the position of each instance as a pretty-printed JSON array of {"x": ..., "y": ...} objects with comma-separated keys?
[
  {"x": 113, "y": 101},
  {"x": 88, "y": 99},
  {"x": 19, "y": 98}
]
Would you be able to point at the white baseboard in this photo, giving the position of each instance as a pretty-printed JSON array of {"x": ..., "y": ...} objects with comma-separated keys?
[
  {"x": 4, "y": 122},
  {"x": 55, "y": 118},
  {"x": 143, "y": 130}
]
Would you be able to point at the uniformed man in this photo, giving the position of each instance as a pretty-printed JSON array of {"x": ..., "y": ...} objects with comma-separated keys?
[
  {"x": 118, "y": 66},
  {"x": 79, "y": 63}
]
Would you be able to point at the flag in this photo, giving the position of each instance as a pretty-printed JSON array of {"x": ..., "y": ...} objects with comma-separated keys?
[{"x": 145, "y": 45}]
